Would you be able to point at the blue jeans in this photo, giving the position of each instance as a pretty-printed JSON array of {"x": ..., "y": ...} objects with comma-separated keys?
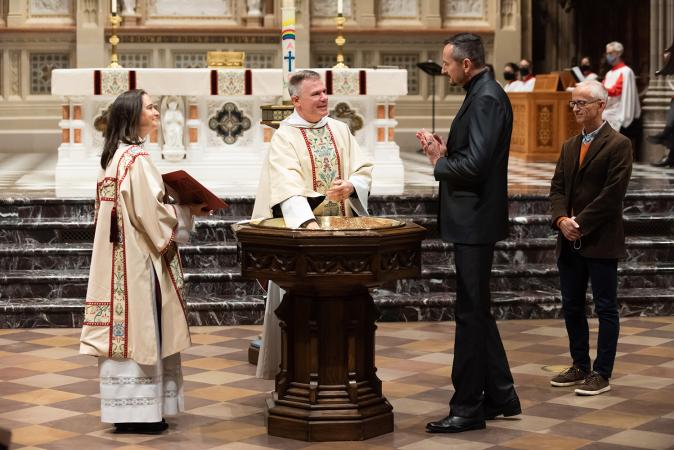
[{"x": 574, "y": 272}]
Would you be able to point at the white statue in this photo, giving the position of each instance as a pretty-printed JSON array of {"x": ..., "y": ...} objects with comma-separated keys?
[
  {"x": 129, "y": 7},
  {"x": 172, "y": 125},
  {"x": 254, "y": 8}
]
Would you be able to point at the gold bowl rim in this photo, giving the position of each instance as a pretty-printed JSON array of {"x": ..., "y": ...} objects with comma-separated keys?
[{"x": 384, "y": 223}]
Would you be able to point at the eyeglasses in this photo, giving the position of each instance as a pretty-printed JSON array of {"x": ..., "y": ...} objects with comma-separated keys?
[{"x": 581, "y": 103}]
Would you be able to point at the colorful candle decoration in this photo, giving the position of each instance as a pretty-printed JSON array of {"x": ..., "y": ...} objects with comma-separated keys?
[{"x": 288, "y": 43}]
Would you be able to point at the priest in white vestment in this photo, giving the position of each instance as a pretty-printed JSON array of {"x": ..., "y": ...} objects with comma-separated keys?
[
  {"x": 623, "y": 105},
  {"x": 314, "y": 168},
  {"x": 135, "y": 318}
]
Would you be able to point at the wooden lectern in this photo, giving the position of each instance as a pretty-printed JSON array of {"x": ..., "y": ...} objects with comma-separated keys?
[{"x": 542, "y": 120}]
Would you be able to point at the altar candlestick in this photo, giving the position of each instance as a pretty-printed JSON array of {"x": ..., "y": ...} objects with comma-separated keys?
[
  {"x": 113, "y": 7},
  {"x": 340, "y": 6}
]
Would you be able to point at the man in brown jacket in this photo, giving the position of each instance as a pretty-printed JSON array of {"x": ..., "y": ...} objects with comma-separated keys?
[{"x": 587, "y": 193}]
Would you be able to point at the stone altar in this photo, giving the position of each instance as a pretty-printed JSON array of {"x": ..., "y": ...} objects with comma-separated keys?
[
  {"x": 224, "y": 143},
  {"x": 327, "y": 388}
]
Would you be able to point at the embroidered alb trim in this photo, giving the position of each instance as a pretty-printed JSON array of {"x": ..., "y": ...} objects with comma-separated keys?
[
  {"x": 134, "y": 401},
  {"x": 130, "y": 380},
  {"x": 171, "y": 394}
]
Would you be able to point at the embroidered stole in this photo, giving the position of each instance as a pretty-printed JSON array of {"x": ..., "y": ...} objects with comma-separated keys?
[{"x": 325, "y": 167}]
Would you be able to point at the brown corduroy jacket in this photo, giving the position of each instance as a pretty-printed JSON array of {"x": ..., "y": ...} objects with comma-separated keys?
[{"x": 594, "y": 192}]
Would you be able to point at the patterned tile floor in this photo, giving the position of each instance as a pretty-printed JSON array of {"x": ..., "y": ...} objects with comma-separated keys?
[{"x": 48, "y": 392}]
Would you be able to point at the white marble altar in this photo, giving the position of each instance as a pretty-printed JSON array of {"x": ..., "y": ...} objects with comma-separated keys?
[{"x": 223, "y": 140}]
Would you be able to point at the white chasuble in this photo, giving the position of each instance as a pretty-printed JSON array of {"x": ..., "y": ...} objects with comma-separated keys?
[
  {"x": 304, "y": 159},
  {"x": 135, "y": 262}
]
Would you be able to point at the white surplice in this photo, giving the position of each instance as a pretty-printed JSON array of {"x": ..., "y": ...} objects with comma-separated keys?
[{"x": 623, "y": 106}]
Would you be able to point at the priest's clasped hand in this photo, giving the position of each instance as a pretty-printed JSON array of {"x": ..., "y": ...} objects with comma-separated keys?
[
  {"x": 340, "y": 190},
  {"x": 432, "y": 145}
]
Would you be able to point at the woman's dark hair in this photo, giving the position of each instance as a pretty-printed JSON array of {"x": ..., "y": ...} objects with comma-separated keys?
[
  {"x": 513, "y": 66},
  {"x": 123, "y": 123}
]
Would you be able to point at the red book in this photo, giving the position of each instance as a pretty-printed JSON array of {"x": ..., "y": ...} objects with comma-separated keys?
[{"x": 190, "y": 190}]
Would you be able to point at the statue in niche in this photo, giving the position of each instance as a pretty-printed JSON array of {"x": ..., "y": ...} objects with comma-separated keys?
[
  {"x": 254, "y": 8},
  {"x": 172, "y": 125},
  {"x": 129, "y": 7}
]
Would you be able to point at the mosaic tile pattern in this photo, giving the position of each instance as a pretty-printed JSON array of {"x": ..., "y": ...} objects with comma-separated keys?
[{"x": 49, "y": 393}]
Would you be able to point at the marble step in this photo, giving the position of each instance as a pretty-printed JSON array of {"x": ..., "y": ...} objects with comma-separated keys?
[
  {"x": 434, "y": 278},
  {"x": 392, "y": 307},
  {"x": 64, "y": 256},
  {"x": 218, "y": 230},
  {"x": 442, "y": 278},
  {"x": 519, "y": 252},
  {"x": 407, "y": 204},
  {"x": 59, "y": 256}
]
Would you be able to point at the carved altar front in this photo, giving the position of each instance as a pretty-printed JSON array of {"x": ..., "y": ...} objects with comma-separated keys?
[{"x": 210, "y": 123}]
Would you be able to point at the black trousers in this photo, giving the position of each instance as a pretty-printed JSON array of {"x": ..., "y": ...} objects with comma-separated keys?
[
  {"x": 574, "y": 272},
  {"x": 480, "y": 372}
]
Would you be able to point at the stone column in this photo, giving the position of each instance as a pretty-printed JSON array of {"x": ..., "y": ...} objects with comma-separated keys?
[
  {"x": 507, "y": 35},
  {"x": 658, "y": 95},
  {"x": 16, "y": 15},
  {"x": 91, "y": 19}
]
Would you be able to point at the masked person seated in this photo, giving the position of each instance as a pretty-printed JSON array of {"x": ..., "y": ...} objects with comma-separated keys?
[{"x": 511, "y": 77}]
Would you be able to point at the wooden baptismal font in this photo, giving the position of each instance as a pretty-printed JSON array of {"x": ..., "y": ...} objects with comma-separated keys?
[{"x": 327, "y": 388}]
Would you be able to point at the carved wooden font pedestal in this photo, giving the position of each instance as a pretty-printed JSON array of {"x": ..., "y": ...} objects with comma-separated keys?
[{"x": 327, "y": 388}]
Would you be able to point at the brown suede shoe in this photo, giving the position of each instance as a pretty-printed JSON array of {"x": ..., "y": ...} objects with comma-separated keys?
[
  {"x": 569, "y": 377},
  {"x": 594, "y": 384}
]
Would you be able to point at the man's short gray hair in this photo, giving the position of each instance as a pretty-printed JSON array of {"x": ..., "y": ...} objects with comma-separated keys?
[
  {"x": 296, "y": 79},
  {"x": 616, "y": 46},
  {"x": 596, "y": 89}
]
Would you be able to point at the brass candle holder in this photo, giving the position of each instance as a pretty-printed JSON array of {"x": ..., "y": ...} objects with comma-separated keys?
[
  {"x": 115, "y": 21},
  {"x": 340, "y": 40}
]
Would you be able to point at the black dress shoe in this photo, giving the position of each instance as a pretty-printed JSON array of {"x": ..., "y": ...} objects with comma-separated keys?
[
  {"x": 141, "y": 427},
  {"x": 511, "y": 408},
  {"x": 455, "y": 424}
]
